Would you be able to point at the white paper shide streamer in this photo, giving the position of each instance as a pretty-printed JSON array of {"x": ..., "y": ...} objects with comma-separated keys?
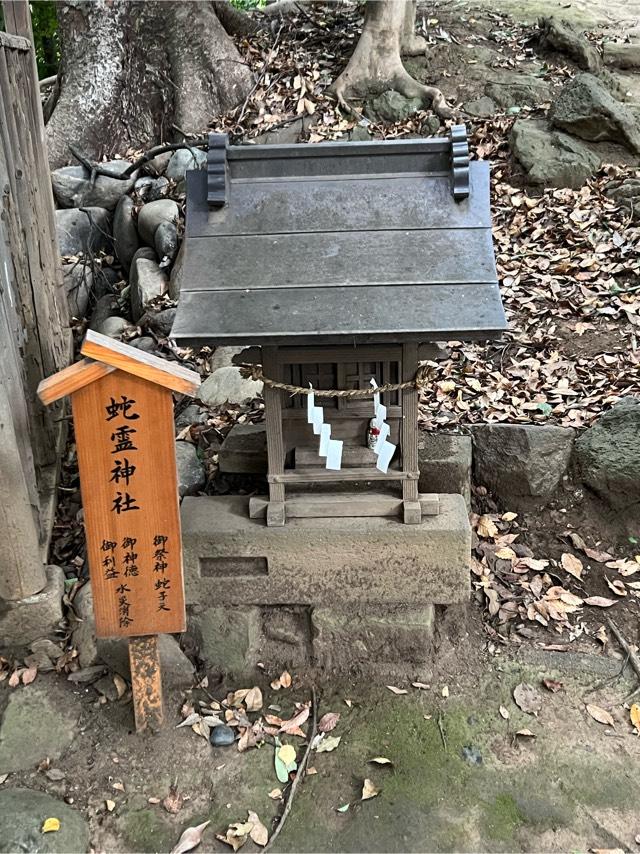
[
  {"x": 329, "y": 448},
  {"x": 384, "y": 450}
]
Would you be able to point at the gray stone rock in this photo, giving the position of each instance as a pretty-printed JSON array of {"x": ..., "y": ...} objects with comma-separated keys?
[
  {"x": 113, "y": 326},
  {"x": 25, "y": 620},
  {"x": 444, "y": 462},
  {"x": 286, "y": 135},
  {"x": 391, "y": 106},
  {"x": 158, "y": 166},
  {"x": 73, "y": 189},
  {"x": 586, "y": 108},
  {"x": 84, "y": 627},
  {"x": 147, "y": 345},
  {"x": 105, "y": 307},
  {"x": 182, "y": 160},
  {"x": 625, "y": 193},
  {"x": 244, "y": 450},
  {"x": 517, "y": 460},
  {"x": 105, "y": 281},
  {"x": 222, "y": 736},
  {"x": 430, "y": 126},
  {"x": 149, "y": 283},
  {"x": 191, "y": 474},
  {"x": 175, "y": 281},
  {"x": 226, "y": 385},
  {"x": 608, "y": 455},
  {"x": 223, "y": 357},
  {"x": 78, "y": 283},
  {"x": 551, "y": 158},
  {"x": 33, "y": 727},
  {"x": 125, "y": 234},
  {"x": 359, "y": 134},
  {"x": 622, "y": 54},
  {"x": 22, "y": 814},
  {"x": 162, "y": 321},
  {"x": 79, "y": 231},
  {"x": 145, "y": 252},
  {"x": 483, "y": 107},
  {"x": 561, "y": 35},
  {"x": 153, "y": 214},
  {"x": 513, "y": 89},
  {"x": 150, "y": 189},
  {"x": 166, "y": 242},
  {"x": 192, "y": 414}
]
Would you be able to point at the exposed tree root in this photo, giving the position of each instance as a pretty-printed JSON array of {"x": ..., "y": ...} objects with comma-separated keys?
[{"x": 375, "y": 64}]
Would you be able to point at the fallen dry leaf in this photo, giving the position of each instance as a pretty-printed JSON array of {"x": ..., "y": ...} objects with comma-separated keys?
[
  {"x": 368, "y": 790},
  {"x": 110, "y": 805},
  {"x": 486, "y": 528},
  {"x": 526, "y": 733},
  {"x": 296, "y": 721},
  {"x": 527, "y": 698},
  {"x": 504, "y": 712},
  {"x": 600, "y": 715},
  {"x": 617, "y": 586},
  {"x": 29, "y": 675},
  {"x": 173, "y": 801},
  {"x": 236, "y": 835},
  {"x": 253, "y": 699},
  {"x": 51, "y": 825},
  {"x": 552, "y": 685},
  {"x": 571, "y": 564},
  {"x": 634, "y": 715},
  {"x": 599, "y": 601},
  {"x": 328, "y": 744},
  {"x": 420, "y": 685},
  {"x": 328, "y": 721},
  {"x": 191, "y": 837},
  {"x": 395, "y": 690},
  {"x": 258, "y": 832},
  {"x": 380, "y": 760},
  {"x": 275, "y": 794},
  {"x": 445, "y": 691}
]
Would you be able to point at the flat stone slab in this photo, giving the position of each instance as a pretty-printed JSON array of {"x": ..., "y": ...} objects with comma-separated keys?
[
  {"x": 323, "y": 561},
  {"x": 33, "y": 728},
  {"x": 22, "y": 814}
]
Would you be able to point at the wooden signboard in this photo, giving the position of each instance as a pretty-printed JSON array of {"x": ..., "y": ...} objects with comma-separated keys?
[{"x": 123, "y": 418}]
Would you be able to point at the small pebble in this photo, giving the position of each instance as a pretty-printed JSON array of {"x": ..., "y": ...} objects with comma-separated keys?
[
  {"x": 222, "y": 736},
  {"x": 472, "y": 755}
]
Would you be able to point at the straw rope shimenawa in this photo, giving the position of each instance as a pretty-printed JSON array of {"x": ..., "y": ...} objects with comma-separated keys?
[{"x": 254, "y": 372}]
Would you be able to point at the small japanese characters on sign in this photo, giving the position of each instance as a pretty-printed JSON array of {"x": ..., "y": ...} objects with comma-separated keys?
[{"x": 124, "y": 436}]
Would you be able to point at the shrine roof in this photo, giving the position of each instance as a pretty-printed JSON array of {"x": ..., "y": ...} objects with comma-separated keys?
[{"x": 339, "y": 242}]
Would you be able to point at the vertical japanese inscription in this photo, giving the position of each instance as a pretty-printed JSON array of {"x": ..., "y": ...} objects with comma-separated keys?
[{"x": 125, "y": 442}]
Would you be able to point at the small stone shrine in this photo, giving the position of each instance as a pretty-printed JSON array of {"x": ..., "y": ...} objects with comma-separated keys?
[{"x": 338, "y": 266}]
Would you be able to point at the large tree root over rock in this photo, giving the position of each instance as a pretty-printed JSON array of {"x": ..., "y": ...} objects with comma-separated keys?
[{"x": 375, "y": 64}]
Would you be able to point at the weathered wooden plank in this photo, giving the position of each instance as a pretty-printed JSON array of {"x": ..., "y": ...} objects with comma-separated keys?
[
  {"x": 413, "y": 202},
  {"x": 22, "y": 572},
  {"x": 313, "y": 475},
  {"x": 377, "y": 313},
  {"x": 332, "y": 504},
  {"x": 14, "y": 42},
  {"x": 340, "y": 158},
  {"x": 275, "y": 440},
  {"x": 336, "y": 259},
  {"x": 409, "y": 438},
  {"x": 126, "y": 457},
  {"x": 146, "y": 683},
  {"x": 71, "y": 379},
  {"x": 145, "y": 365}
]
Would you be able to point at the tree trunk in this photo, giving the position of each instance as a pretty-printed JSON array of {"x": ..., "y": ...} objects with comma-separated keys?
[
  {"x": 134, "y": 73},
  {"x": 375, "y": 65}
]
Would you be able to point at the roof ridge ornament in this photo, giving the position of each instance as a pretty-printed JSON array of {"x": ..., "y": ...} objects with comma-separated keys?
[
  {"x": 217, "y": 177},
  {"x": 460, "y": 162}
]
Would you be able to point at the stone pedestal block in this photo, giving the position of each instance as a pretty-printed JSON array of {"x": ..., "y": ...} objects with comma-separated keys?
[
  {"x": 231, "y": 559},
  {"x": 25, "y": 620},
  {"x": 373, "y": 637},
  {"x": 444, "y": 460}
]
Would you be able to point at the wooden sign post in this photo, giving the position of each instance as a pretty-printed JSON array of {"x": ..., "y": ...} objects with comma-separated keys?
[{"x": 123, "y": 418}]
